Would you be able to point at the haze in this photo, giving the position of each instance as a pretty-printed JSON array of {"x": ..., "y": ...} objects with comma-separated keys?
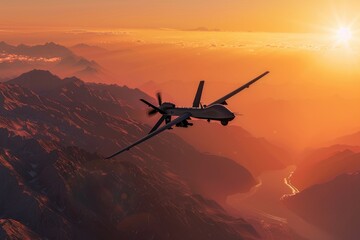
[
  {"x": 295, "y": 130},
  {"x": 309, "y": 98},
  {"x": 262, "y": 15}
]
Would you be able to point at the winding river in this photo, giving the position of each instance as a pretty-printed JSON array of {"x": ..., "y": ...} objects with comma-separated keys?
[{"x": 264, "y": 201}]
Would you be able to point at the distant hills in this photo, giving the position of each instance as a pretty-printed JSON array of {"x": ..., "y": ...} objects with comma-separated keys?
[
  {"x": 86, "y": 50},
  {"x": 350, "y": 139},
  {"x": 15, "y": 60},
  {"x": 256, "y": 154},
  {"x": 328, "y": 180},
  {"x": 47, "y": 50},
  {"x": 333, "y": 206},
  {"x": 324, "y": 164},
  {"x": 204, "y": 29}
]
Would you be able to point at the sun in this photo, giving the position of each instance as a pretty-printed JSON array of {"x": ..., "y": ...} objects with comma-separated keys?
[{"x": 344, "y": 34}]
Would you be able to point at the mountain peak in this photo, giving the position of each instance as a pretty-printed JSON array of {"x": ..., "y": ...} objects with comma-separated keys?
[
  {"x": 51, "y": 44},
  {"x": 5, "y": 47},
  {"x": 37, "y": 74},
  {"x": 2, "y": 43},
  {"x": 37, "y": 80}
]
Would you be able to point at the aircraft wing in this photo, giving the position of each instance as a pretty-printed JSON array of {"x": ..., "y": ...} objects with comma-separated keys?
[
  {"x": 223, "y": 99},
  {"x": 154, "y": 133}
]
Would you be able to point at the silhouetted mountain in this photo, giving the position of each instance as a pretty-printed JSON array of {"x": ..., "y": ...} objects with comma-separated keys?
[
  {"x": 87, "y": 71},
  {"x": 4, "y": 47},
  {"x": 54, "y": 181},
  {"x": 80, "y": 62},
  {"x": 333, "y": 206},
  {"x": 86, "y": 50},
  {"x": 38, "y": 81},
  {"x": 105, "y": 97},
  {"x": 256, "y": 154},
  {"x": 351, "y": 139},
  {"x": 126, "y": 97},
  {"x": 48, "y": 50},
  {"x": 49, "y": 56},
  {"x": 324, "y": 164},
  {"x": 318, "y": 154}
]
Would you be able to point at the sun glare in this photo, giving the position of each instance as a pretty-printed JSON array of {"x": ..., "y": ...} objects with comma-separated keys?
[{"x": 344, "y": 34}]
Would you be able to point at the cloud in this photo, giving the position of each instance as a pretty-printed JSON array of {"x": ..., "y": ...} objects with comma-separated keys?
[{"x": 10, "y": 58}]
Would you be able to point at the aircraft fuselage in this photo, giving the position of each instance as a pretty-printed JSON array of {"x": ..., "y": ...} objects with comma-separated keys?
[{"x": 216, "y": 112}]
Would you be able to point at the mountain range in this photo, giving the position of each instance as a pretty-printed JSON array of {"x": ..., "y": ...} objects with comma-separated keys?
[
  {"x": 55, "y": 182},
  {"x": 15, "y": 60},
  {"x": 324, "y": 164}
]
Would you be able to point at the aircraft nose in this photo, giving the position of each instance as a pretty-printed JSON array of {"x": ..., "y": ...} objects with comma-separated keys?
[{"x": 231, "y": 115}]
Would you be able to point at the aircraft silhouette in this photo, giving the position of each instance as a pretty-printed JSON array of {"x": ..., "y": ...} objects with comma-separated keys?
[{"x": 214, "y": 111}]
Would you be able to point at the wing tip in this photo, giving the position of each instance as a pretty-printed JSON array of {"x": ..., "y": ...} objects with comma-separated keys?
[{"x": 179, "y": 119}]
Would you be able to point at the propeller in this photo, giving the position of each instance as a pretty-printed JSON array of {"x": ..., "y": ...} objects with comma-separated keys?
[
  {"x": 154, "y": 109},
  {"x": 159, "y": 98},
  {"x": 152, "y": 112}
]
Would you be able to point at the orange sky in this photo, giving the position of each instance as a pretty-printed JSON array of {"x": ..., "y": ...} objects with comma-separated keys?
[
  {"x": 310, "y": 97},
  {"x": 244, "y": 15}
]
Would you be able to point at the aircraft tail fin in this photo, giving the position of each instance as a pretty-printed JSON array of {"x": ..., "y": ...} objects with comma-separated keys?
[{"x": 197, "y": 98}]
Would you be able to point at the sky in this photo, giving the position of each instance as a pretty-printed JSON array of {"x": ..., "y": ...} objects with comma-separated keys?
[
  {"x": 227, "y": 15},
  {"x": 310, "y": 96}
]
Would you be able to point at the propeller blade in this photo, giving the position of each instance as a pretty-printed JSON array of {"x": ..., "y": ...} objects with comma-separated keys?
[
  {"x": 152, "y": 112},
  {"x": 157, "y": 125},
  {"x": 159, "y": 98},
  {"x": 152, "y": 106}
]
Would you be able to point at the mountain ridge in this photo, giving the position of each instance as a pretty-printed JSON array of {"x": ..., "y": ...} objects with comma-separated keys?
[
  {"x": 58, "y": 185},
  {"x": 15, "y": 60}
]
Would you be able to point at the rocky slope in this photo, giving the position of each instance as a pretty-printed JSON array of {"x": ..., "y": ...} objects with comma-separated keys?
[
  {"x": 55, "y": 182},
  {"x": 11, "y": 229},
  {"x": 82, "y": 115},
  {"x": 68, "y": 193}
]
